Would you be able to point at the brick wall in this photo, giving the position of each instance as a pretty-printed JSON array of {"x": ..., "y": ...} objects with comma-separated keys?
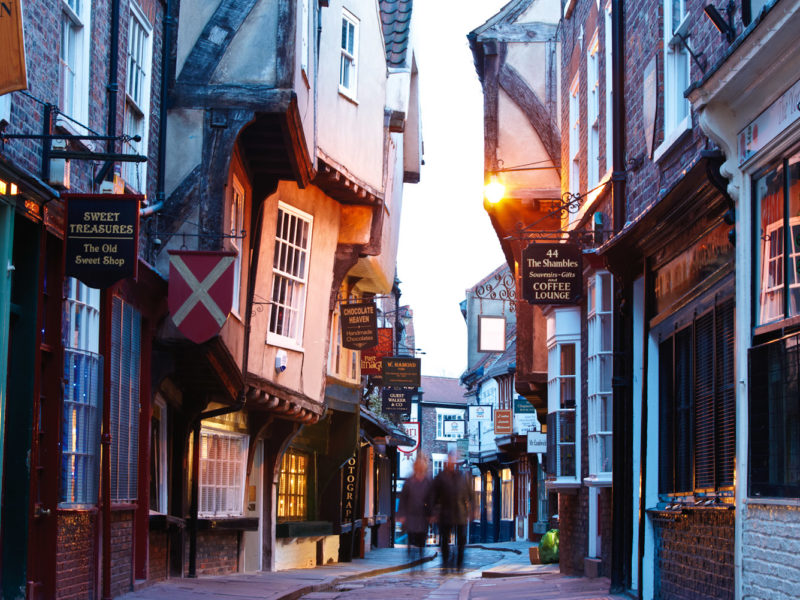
[
  {"x": 573, "y": 511},
  {"x": 217, "y": 552},
  {"x": 76, "y": 556},
  {"x": 771, "y": 543},
  {"x": 694, "y": 554},
  {"x": 121, "y": 552},
  {"x": 157, "y": 555},
  {"x": 605, "y": 499}
]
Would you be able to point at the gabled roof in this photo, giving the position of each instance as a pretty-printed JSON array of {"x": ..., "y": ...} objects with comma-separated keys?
[
  {"x": 396, "y": 18},
  {"x": 442, "y": 390},
  {"x": 507, "y": 14}
]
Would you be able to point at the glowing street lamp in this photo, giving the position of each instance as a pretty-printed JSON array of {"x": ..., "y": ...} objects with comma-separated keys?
[{"x": 494, "y": 190}]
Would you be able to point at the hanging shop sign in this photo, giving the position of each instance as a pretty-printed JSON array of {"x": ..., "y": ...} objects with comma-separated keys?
[
  {"x": 503, "y": 421},
  {"x": 349, "y": 485},
  {"x": 12, "y": 48},
  {"x": 200, "y": 292},
  {"x": 552, "y": 273},
  {"x": 411, "y": 429},
  {"x": 454, "y": 428},
  {"x": 537, "y": 442},
  {"x": 101, "y": 239},
  {"x": 371, "y": 357},
  {"x": 524, "y": 416},
  {"x": 480, "y": 413},
  {"x": 396, "y": 401},
  {"x": 359, "y": 325},
  {"x": 401, "y": 371}
]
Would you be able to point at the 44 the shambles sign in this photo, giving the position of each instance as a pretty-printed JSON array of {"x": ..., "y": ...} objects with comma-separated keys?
[
  {"x": 552, "y": 273},
  {"x": 359, "y": 325},
  {"x": 101, "y": 243}
]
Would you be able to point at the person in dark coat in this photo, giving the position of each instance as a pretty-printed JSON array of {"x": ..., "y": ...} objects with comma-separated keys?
[
  {"x": 452, "y": 501},
  {"x": 416, "y": 506}
]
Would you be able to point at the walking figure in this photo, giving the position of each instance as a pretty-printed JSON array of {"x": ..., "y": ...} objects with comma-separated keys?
[
  {"x": 452, "y": 501},
  {"x": 416, "y": 506}
]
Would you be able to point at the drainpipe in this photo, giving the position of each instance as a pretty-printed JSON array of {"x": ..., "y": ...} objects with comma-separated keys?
[
  {"x": 106, "y": 304},
  {"x": 622, "y": 491},
  {"x": 169, "y": 23}
]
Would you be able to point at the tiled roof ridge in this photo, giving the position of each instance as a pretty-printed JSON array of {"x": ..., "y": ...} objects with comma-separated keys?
[{"x": 396, "y": 20}]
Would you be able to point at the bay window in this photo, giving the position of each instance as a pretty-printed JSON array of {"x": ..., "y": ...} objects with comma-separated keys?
[
  {"x": 600, "y": 363},
  {"x": 223, "y": 465},
  {"x": 293, "y": 486}
]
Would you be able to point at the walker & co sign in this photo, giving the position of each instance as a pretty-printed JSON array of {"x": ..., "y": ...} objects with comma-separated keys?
[
  {"x": 396, "y": 401},
  {"x": 552, "y": 273},
  {"x": 101, "y": 242},
  {"x": 359, "y": 325},
  {"x": 400, "y": 371}
]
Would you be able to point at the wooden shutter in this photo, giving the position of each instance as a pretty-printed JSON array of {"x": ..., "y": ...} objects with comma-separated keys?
[
  {"x": 666, "y": 429},
  {"x": 704, "y": 414},
  {"x": 725, "y": 419},
  {"x": 683, "y": 411}
]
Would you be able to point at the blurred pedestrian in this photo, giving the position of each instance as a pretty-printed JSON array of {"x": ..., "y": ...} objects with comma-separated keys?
[
  {"x": 452, "y": 503},
  {"x": 416, "y": 506}
]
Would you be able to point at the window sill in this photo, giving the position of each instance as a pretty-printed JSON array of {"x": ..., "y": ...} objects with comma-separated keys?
[
  {"x": 347, "y": 95},
  {"x": 228, "y": 523},
  {"x": 161, "y": 522},
  {"x": 72, "y": 128},
  {"x": 297, "y": 529},
  {"x": 672, "y": 139},
  {"x": 598, "y": 481},
  {"x": 773, "y": 501},
  {"x": 562, "y": 483},
  {"x": 282, "y": 342}
]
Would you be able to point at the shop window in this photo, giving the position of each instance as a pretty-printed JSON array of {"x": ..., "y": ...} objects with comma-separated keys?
[
  {"x": 697, "y": 406},
  {"x": 507, "y": 490},
  {"x": 777, "y": 199},
  {"x": 523, "y": 488},
  {"x": 137, "y": 99},
  {"x": 774, "y": 412},
  {"x": 289, "y": 277},
  {"x": 80, "y": 435},
  {"x": 593, "y": 113},
  {"x": 563, "y": 418},
  {"x": 600, "y": 363},
  {"x": 489, "y": 497},
  {"x": 74, "y": 59},
  {"x": 223, "y": 462},
  {"x": 437, "y": 461},
  {"x": 126, "y": 331},
  {"x": 293, "y": 486},
  {"x": 348, "y": 65}
]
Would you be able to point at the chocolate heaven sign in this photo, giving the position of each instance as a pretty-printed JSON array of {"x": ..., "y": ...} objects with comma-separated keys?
[
  {"x": 552, "y": 273},
  {"x": 359, "y": 325},
  {"x": 101, "y": 243}
]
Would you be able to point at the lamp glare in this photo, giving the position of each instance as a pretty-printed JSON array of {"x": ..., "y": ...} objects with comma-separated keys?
[{"x": 494, "y": 190}]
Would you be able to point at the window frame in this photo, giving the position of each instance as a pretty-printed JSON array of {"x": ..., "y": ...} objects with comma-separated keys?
[
  {"x": 448, "y": 414},
  {"x": 238, "y": 205},
  {"x": 302, "y": 477},
  {"x": 343, "y": 363},
  {"x": 80, "y": 449},
  {"x": 347, "y": 57},
  {"x": 506, "y": 495},
  {"x": 593, "y": 113},
  {"x": 598, "y": 359},
  {"x": 559, "y": 415},
  {"x": 158, "y": 456},
  {"x": 80, "y": 27},
  {"x": 609, "y": 91},
  {"x": 677, "y": 111},
  {"x": 137, "y": 105},
  {"x": 203, "y": 510},
  {"x": 294, "y": 342},
  {"x": 574, "y": 141}
]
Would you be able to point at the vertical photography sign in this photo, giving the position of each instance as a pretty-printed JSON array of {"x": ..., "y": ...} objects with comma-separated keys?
[
  {"x": 552, "y": 273},
  {"x": 359, "y": 325},
  {"x": 101, "y": 243}
]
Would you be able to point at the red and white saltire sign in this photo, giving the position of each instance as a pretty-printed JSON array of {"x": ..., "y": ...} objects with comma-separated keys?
[
  {"x": 411, "y": 429},
  {"x": 200, "y": 291}
]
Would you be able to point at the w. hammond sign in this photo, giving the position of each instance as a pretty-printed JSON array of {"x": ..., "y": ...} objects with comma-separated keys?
[{"x": 552, "y": 273}]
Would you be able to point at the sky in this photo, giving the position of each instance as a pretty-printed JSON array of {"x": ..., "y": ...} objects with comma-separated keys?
[{"x": 447, "y": 243}]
